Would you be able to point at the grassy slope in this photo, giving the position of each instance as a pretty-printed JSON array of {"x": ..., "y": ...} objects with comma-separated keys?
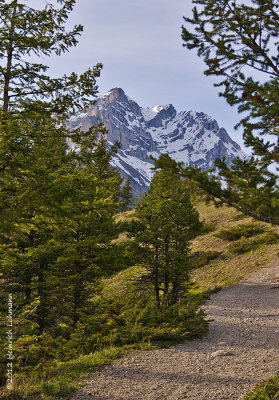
[
  {"x": 226, "y": 269},
  {"x": 224, "y": 272},
  {"x": 229, "y": 268}
]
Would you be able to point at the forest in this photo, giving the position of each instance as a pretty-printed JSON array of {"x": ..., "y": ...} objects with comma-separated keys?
[{"x": 86, "y": 274}]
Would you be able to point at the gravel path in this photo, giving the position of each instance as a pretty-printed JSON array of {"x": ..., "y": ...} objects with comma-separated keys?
[{"x": 241, "y": 349}]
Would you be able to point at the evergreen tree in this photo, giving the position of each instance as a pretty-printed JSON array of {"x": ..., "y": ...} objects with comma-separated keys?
[
  {"x": 86, "y": 251},
  {"x": 58, "y": 198},
  {"x": 25, "y": 32},
  {"x": 58, "y": 192},
  {"x": 238, "y": 43},
  {"x": 166, "y": 223},
  {"x": 126, "y": 195}
]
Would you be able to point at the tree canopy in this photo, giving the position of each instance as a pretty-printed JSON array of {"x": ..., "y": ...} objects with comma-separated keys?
[
  {"x": 238, "y": 42},
  {"x": 58, "y": 191},
  {"x": 26, "y": 34},
  {"x": 166, "y": 223}
]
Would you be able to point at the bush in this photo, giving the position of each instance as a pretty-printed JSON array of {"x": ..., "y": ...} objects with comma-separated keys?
[
  {"x": 264, "y": 391},
  {"x": 201, "y": 258},
  {"x": 123, "y": 315},
  {"x": 207, "y": 228},
  {"x": 130, "y": 321},
  {"x": 244, "y": 245},
  {"x": 237, "y": 232}
]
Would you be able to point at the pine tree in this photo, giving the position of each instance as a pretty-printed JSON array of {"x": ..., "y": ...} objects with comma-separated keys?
[
  {"x": 86, "y": 251},
  {"x": 57, "y": 203},
  {"x": 126, "y": 195},
  {"x": 238, "y": 43},
  {"x": 25, "y": 32},
  {"x": 166, "y": 223}
]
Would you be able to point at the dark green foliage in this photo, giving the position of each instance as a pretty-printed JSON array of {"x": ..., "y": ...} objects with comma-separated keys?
[
  {"x": 127, "y": 314},
  {"x": 126, "y": 196},
  {"x": 238, "y": 43},
  {"x": 57, "y": 203},
  {"x": 235, "y": 40},
  {"x": 121, "y": 313},
  {"x": 265, "y": 391},
  {"x": 207, "y": 228},
  {"x": 244, "y": 244},
  {"x": 166, "y": 222},
  {"x": 201, "y": 258},
  {"x": 118, "y": 322},
  {"x": 26, "y": 32},
  {"x": 58, "y": 243},
  {"x": 59, "y": 237},
  {"x": 239, "y": 231}
]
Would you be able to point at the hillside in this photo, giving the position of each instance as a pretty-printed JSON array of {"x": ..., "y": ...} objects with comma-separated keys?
[
  {"x": 241, "y": 347},
  {"x": 238, "y": 258},
  {"x": 217, "y": 263},
  {"x": 227, "y": 262}
]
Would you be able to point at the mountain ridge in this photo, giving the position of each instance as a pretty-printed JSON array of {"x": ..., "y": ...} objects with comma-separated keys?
[{"x": 191, "y": 137}]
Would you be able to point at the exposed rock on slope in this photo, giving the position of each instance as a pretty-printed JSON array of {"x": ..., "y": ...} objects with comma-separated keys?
[{"x": 188, "y": 136}]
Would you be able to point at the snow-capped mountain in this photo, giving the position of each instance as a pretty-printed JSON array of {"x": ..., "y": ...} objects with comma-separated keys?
[{"x": 188, "y": 136}]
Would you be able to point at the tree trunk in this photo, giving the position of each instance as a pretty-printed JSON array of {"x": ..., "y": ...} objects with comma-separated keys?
[
  {"x": 167, "y": 274},
  {"x": 175, "y": 292},
  {"x": 76, "y": 301},
  {"x": 41, "y": 311},
  {"x": 156, "y": 279},
  {"x": 7, "y": 74},
  {"x": 167, "y": 282}
]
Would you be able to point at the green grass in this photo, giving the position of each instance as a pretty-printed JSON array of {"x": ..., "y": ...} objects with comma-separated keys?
[
  {"x": 215, "y": 266},
  {"x": 245, "y": 245},
  {"x": 241, "y": 231},
  {"x": 268, "y": 390},
  {"x": 237, "y": 258},
  {"x": 201, "y": 258},
  {"x": 63, "y": 378}
]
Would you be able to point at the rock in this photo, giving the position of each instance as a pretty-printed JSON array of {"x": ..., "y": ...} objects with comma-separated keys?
[
  {"x": 222, "y": 353},
  {"x": 191, "y": 137}
]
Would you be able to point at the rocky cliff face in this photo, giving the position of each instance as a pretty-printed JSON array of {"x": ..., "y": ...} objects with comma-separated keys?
[{"x": 188, "y": 136}]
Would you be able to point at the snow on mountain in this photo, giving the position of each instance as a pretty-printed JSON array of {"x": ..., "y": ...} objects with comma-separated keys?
[
  {"x": 150, "y": 113},
  {"x": 191, "y": 137}
]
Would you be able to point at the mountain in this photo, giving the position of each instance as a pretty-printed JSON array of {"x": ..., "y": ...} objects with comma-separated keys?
[{"x": 188, "y": 136}]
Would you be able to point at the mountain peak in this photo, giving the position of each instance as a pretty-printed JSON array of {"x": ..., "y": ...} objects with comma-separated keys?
[
  {"x": 116, "y": 94},
  {"x": 190, "y": 137},
  {"x": 150, "y": 113}
]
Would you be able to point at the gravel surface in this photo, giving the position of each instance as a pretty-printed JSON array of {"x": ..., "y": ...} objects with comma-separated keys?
[{"x": 240, "y": 350}]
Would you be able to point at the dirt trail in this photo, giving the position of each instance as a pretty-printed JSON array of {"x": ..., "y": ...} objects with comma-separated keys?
[{"x": 241, "y": 349}]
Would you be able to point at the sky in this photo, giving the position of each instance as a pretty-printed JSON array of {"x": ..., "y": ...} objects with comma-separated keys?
[{"x": 139, "y": 43}]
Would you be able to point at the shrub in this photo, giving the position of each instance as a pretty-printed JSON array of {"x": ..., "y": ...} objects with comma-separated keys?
[
  {"x": 207, "y": 228},
  {"x": 201, "y": 258},
  {"x": 244, "y": 245},
  {"x": 133, "y": 320},
  {"x": 237, "y": 232},
  {"x": 264, "y": 391}
]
